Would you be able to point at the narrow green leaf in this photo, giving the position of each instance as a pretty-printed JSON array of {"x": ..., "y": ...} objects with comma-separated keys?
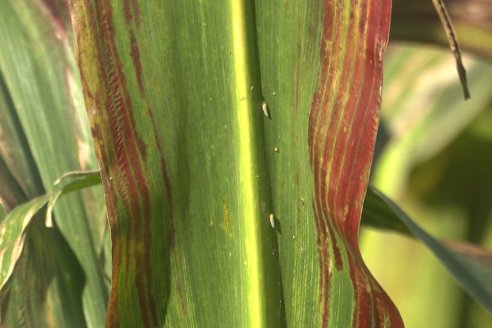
[
  {"x": 19, "y": 176},
  {"x": 12, "y": 235},
  {"x": 2, "y": 212},
  {"x": 376, "y": 214},
  {"x": 470, "y": 265}
]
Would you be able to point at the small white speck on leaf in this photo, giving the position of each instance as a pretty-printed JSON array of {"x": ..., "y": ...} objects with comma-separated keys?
[
  {"x": 265, "y": 109},
  {"x": 272, "y": 220}
]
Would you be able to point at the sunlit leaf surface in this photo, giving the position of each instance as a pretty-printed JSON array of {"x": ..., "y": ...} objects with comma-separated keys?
[{"x": 235, "y": 142}]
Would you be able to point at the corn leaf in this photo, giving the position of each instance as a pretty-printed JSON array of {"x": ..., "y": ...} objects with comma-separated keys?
[
  {"x": 218, "y": 125},
  {"x": 321, "y": 76},
  {"x": 14, "y": 226},
  {"x": 13, "y": 232}
]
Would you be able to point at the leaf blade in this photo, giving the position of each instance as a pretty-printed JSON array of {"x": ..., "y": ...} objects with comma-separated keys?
[
  {"x": 14, "y": 226},
  {"x": 227, "y": 214},
  {"x": 312, "y": 49}
]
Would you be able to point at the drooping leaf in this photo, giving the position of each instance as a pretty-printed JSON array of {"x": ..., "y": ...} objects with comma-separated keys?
[
  {"x": 470, "y": 265},
  {"x": 45, "y": 288},
  {"x": 14, "y": 227},
  {"x": 38, "y": 269},
  {"x": 377, "y": 215},
  {"x": 12, "y": 235}
]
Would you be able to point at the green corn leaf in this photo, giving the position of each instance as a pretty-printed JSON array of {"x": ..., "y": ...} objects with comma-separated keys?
[
  {"x": 218, "y": 125},
  {"x": 14, "y": 226},
  {"x": 377, "y": 215},
  {"x": 12, "y": 235},
  {"x": 65, "y": 296}
]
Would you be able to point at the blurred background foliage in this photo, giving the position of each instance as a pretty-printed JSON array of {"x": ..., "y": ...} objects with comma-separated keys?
[
  {"x": 434, "y": 156},
  {"x": 59, "y": 279}
]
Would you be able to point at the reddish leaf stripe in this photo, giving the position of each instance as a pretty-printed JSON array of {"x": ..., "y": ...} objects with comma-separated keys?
[
  {"x": 137, "y": 65},
  {"x": 165, "y": 180},
  {"x": 123, "y": 156},
  {"x": 130, "y": 181},
  {"x": 128, "y": 171},
  {"x": 325, "y": 232},
  {"x": 324, "y": 225},
  {"x": 131, "y": 11},
  {"x": 365, "y": 288},
  {"x": 367, "y": 106},
  {"x": 342, "y": 129},
  {"x": 343, "y": 124}
]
